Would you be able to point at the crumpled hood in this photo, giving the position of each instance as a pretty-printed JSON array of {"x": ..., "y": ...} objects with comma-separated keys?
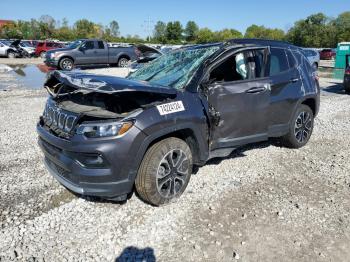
[{"x": 108, "y": 84}]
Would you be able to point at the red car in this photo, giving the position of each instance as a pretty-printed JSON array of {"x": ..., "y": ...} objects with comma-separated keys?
[
  {"x": 327, "y": 54},
  {"x": 43, "y": 47}
]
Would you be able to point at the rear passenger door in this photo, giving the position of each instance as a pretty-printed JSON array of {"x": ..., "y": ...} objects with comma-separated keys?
[{"x": 285, "y": 89}]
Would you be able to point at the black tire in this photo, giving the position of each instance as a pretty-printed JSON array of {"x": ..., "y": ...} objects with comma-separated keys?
[
  {"x": 123, "y": 62},
  {"x": 300, "y": 129},
  {"x": 347, "y": 88},
  {"x": 43, "y": 54},
  {"x": 66, "y": 64},
  {"x": 164, "y": 172},
  {"x": 11, "y": 54}
]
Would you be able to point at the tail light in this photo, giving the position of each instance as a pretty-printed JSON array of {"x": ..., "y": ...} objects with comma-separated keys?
[
  {"x": 137, "y": 52},
  {"x": 315, "y": 76},
  {"x": 347, "y": 71}
]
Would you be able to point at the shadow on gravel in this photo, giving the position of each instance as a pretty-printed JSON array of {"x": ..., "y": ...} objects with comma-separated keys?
[
  {"x": 335, "y": 88},
  {"x": 138, "y": 255},
  {"x": 240, "y": 151}
]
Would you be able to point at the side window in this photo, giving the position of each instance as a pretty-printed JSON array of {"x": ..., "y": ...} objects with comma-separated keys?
[
  {"x": 88, "y": 45},
  {"x": 241, "y": 66},
  {"x": 1, "y": 45},
  {"x": 234, "y": 68},
  {"x": 40, "y": 44},
  {"x": 291, "y": 59},
  {"x": 49, "y": 44},
  {"x": 100, "y": 45},
  {"x": 278, "y": 61}
]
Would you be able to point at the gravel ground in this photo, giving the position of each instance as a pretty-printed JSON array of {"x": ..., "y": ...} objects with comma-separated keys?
[{"x": 263, "y": 203}]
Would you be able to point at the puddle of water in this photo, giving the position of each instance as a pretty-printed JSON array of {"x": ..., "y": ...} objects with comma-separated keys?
[
  {"x": 23, "y": 76},
  {"x": 333, "y": 73}
]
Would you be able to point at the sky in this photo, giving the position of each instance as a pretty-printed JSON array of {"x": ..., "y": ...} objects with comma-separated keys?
[{"x": 214, "y": 14}]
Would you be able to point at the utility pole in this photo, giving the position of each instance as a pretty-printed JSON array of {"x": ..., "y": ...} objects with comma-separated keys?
[{"x": 148, "y": 25}]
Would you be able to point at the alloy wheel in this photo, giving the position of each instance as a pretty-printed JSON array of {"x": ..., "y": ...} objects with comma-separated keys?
[
  {"x": 303, "y": 127},
  {"x": 67, "y": 65},
  {"x": 172, "y": 172}
]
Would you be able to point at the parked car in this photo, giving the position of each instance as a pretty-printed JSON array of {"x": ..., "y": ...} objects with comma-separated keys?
[
  {"x": 327, "y": 54},
  {"x": 6, "y": 49},
  {"x": 346, "y": 82},
  {"x": 313, "y": 57},
  {"x": 91, "y": 52},
  {"x": 104, "y": 136},
  {"x": 43, "y": 47},
  {"x": 28, "y": 48}
]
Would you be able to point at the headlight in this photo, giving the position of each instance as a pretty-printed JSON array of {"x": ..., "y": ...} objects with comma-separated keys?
[
  {"x": 52, "y": 55},
  {"x": 93, "y": 130}
]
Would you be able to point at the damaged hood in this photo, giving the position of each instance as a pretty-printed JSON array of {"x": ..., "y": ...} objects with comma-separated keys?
[{"x": 107, "y": 84}]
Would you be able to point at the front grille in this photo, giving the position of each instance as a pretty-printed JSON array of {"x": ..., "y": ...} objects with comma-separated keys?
[{"x": 59, "y": 121}]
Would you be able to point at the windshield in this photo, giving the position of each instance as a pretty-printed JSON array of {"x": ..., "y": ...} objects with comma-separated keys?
[
  {"x": 75, "y": 44},
  {"x": 175, "y": 68}
]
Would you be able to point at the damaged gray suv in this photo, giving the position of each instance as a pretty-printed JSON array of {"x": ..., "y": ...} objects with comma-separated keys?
[{"x": 106, "y": 136}]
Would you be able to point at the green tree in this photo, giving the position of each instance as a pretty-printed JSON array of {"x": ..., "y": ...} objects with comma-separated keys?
[
  {"x": 191, "y": 31},
  {"x": 114, "y": 28},
  {"x": 342, "y": 27},
  {"x": 226, "y": 34},
  {"x": 255, "y": 31},
  {"x": 174, "y": 32},
  {"x": 84, "y": 28},
  {"x": 316, "y": 30},
  {"x": 159, "y": 32},
  {"x": 205, "y": 35}
]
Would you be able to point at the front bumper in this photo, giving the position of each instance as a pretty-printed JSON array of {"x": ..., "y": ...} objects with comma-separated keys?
[
  {"x": 114, "y": 180},
  {"x": 51, "y": 62}
]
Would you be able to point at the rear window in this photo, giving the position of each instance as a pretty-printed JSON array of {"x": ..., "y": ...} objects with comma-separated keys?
[
  {"x": 40, "y": 44},
  {"x": 278, "y": 61},
  {"x": 100, "y": 45}
]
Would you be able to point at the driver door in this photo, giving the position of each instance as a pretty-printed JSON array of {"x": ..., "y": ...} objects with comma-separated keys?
[
  {"x": 87, "y": 53},
  {"x": 239, "y": 98}
]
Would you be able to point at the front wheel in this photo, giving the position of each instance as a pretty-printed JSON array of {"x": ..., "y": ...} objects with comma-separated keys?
[
  {"x": 300, "y": 128},
  {"x": 164, "y": 172},
  {"x": 66, "y": 64},
  {"x": 11, "y": 54}
]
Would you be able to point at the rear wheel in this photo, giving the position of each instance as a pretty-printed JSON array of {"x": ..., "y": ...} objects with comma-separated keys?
[
  {"x": 43, "y": 54},
  {"x": 123, "y": 62},
  {"x": 66, "y": 64},
  {"x": 164, "y": 172},
  {"x": 300, "y": 129},
  {"x": 11, "y": 54}
]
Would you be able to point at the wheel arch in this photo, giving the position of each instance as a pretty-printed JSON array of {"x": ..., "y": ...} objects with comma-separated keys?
[
  {"x": 188, "y": 133},
  {"x": 310, "y": 102},
  {"x": 123, "y": 55}
]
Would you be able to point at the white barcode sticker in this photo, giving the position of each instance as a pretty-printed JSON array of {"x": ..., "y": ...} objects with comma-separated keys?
[{"x": 169, "y": 108}]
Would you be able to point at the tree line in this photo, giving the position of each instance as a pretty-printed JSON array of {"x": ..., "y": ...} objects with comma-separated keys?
[{"x": 316, "y": 30}]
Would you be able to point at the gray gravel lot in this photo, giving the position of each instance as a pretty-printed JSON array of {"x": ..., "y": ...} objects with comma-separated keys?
[{"x": 263, "y": 203}]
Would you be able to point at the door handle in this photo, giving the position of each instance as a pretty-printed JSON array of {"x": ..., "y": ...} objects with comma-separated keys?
[
  {"x": 255, "y": 90},
  {"x": 293, "y": 80}
]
